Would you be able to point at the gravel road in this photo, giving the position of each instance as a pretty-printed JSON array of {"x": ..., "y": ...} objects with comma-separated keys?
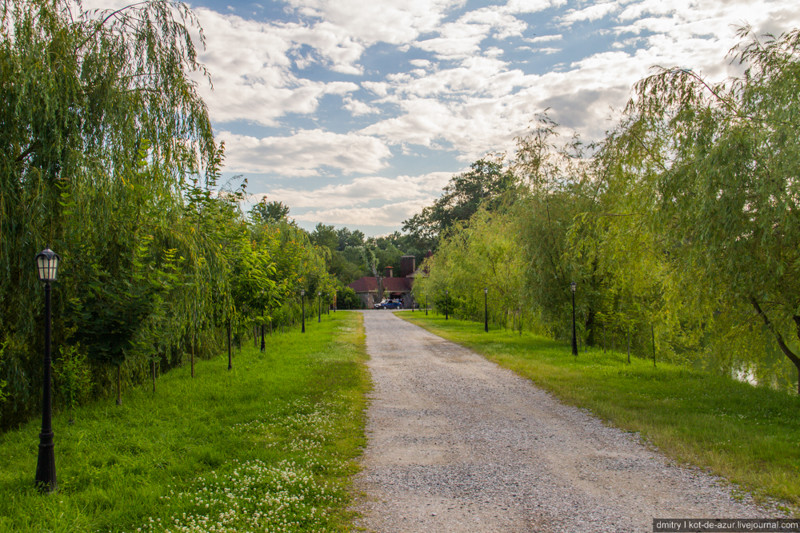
[{"x": 458, "y": 444}]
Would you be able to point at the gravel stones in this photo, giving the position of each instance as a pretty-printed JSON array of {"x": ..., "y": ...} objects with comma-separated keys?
[{"x": 456, "y": 443}]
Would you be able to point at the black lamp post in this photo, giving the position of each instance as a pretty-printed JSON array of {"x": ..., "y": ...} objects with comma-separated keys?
[
  {"x": 303, "y": 305},
  {"x": 47, "y": 268},
  {"x": 426, "y": 305},
  {"x": 486, "y": 309},
  {"x": 319, "y": 307},
  {"x": 572, "y": 287},
  {"x": 446, "y": 302}
]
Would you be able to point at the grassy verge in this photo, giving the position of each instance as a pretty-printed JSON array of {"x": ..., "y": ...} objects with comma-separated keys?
[
  {"x": 268, "y": 446},
  {"x": 748, "y": 435}
]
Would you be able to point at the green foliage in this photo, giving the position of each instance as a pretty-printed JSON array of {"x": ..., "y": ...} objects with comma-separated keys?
[
  {"x": 346, "y": 298},
  {"x": 484, "y": 255},
  {"x": 72, "y": 375},
  {"x": 349, "y": 239},
  {"x": 273, "y": 212}
]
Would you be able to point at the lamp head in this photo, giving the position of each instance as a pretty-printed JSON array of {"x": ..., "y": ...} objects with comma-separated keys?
[
  {"x": 47, "y": 265},
  {"x": 573, "y": 286}
]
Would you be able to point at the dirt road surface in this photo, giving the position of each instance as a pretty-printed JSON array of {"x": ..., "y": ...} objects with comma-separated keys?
[{"x": 458, "y": 444}]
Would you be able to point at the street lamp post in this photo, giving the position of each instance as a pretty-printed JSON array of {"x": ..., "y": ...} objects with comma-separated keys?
[
  {"x": 303, "y": 304},
  {"x": 572, "y": 287},
  {"x": 47, "y": 268},
  {"x": 446, "y": 302},
  {"x": 426, "y": 305},
  {"x": 319, "y": 307},
  {"x": 486, "y": 309}
]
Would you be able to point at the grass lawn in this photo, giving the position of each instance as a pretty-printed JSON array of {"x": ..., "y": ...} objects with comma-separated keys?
[
  {"x": 750, "y": 435},
  {"x": 268, "y": 446}
]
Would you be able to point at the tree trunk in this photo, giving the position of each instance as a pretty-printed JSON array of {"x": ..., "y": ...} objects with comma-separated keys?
[
  {"x": 192, "y": 357},
  {"x": 153, "y": 361},
  {"x": 589, "y": 325},
  {"x": 653, "y": 337},
  {"x": 230, "y": 355},
  {"x": 784, "y": 348},
  {"x": 119, "y": 387},
  {"x": 629, "y": 347}
]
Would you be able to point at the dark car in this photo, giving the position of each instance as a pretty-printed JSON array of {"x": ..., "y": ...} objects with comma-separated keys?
[{"x": 389, "y": 304}]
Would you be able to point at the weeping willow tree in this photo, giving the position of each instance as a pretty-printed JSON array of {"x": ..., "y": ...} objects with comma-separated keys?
[
  {"x": 101, "y": 126},
  {"x": 721, "y": 162}
]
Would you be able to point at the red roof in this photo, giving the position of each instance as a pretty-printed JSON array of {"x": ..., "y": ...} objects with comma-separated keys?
[
  {"x": 370, "y": 284},
  {"x": 365, "y": 284},
  {"x": 397, "y": 284}
]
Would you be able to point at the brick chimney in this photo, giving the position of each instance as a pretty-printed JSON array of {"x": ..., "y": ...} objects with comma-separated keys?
[{"x": 407, "y": 265}]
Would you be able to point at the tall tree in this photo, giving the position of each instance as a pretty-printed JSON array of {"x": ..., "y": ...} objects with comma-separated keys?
[
  {"x": 485, "y": 183},
  {"x": 102, "y": 123}
]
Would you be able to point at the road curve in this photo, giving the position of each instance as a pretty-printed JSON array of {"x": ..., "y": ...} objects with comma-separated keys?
[{"x": 459, "y": 444}]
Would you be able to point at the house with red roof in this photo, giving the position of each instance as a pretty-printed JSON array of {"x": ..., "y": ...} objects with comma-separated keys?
[{"x": 372, "y": 289}]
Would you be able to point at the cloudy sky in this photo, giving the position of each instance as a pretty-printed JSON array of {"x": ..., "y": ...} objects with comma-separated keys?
[{"x": 357, "y": 112}]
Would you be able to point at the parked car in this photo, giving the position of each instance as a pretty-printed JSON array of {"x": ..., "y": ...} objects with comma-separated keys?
[{"x": 389, "y": 304}]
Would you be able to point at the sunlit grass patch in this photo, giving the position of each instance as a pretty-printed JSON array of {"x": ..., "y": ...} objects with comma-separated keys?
[
  {"x": 253, "y": 496},
  {"x": 268, "y": 446}
]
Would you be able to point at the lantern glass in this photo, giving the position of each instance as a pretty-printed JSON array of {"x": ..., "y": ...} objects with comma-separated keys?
[
  {"x": 573, "y": 286},
  {"x": 302, "y": 292},
  {"x": 47, "y": 265},
  {"x": 485, "y": 290}
]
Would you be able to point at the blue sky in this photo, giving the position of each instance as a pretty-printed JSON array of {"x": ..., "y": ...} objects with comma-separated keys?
[{"x": 357, "y": 112}]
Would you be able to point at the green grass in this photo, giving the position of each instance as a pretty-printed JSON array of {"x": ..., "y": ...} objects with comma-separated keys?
[
  {"x": 749, "y": 435},
  {"x": 268, "y": 446}
]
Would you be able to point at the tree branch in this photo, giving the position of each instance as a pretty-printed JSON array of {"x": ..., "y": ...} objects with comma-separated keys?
[
  {"x": 32, "y": 148},
  {"x": 770, "y": 326}
]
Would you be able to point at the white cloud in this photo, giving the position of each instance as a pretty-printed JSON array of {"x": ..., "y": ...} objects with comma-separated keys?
[
  {"x": 392, "y": 214},
  {"x": 306, "y": 153},
  {"x": 462, "y": 92},
  {"x": 463, "y": 37},
  {"x": 364, "y": 201},
  {"x": 546, "y": 38},
  {"x": 378, "y": 20},
  {"x": 364, "y": 191},
  {"x": 591, "y": 13},
  {"x": 359, "y": 108},
  {"x": 531, "y": 6}
]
